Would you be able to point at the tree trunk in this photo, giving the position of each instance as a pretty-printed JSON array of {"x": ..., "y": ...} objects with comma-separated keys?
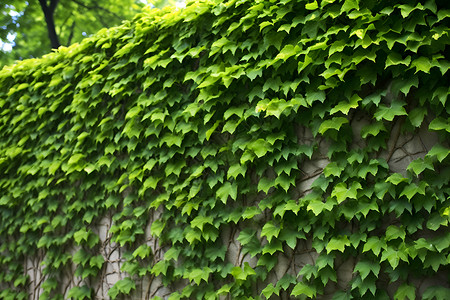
[{"x": 48, "y": 14}]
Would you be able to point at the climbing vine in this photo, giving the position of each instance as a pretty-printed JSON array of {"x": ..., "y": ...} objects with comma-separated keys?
[{"x": 245, "y": 149}]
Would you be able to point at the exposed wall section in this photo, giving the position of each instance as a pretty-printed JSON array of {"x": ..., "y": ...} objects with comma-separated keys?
[{"x": 235, "y": 150}]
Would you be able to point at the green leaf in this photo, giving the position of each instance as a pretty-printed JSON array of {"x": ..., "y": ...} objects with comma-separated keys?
[
  {"x": 269, "y": 290},
  {"x": 374, "y": 244},
  {"x": 393, "y": 256},
  {"x": 345, "y": 106},
  {"x": 341, "y": 192},
  {"x": 438, "y": 151},
  {"x": 350, "y": 5},
  {"x": 197, "y": 275},
  {"x": 288, "y": 51},
  {"x": 417, "y": 115},
  {"x": 338, "y": 243},
  {"x": 272, "y": 247},
  {"x": 335, "y": 123},
  {"x": 142, "y": 251},
  {"x": 419, "y": 165},
  {"x": 97, "y": 261},
  {"x": 312, "y": 5},
  {"x": 422, "y": 64},
  {"x": 372, "y": 129},
  {"x": 200, "y": 221},
  {"x": 389, "y": 113},
  {"x": 436, "y": 292},
  {"x": 404, "y": 292},
  {"x": 394, "y": 232},
  {"x": 157, "y": 227},
  {"x": 410, "y": 190},
  {"x": 303, "y": 289},
  {"x": 123, "y": 286},
  {"x": 77, "y": 292},
  {"x": 81, "y": 235},
  {"x": 396, "y": 178},
  {"x": 260, "y": 147},
  {"x": 270, "y": 231},
  {"x": 396, "y": 59},
  {"x": 241, "y": 274},
  {"x": 133, "y": 112},
  {"x": 265, "y": 184},
  {"x": 364, "y": 267},
  {"x": 317, "y": 206},
  {"x": 332, "y": 169},
  {"x": 159, "y": 268},
  {"x": 75, "y": 158},
  {"x": 228, "y": 189},
  {"x": 440, "y": 124}
]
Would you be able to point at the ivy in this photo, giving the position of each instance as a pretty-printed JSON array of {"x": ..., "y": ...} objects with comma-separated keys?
[{"x": 240, "y": 149}]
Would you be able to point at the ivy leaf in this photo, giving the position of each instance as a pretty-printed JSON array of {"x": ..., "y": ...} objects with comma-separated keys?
[
  {"x": 338, "y": 243},
  {"x": 250, "y": 212},
  {"x": 288, "y": 51},
  {"x": 81, "y": 235},
  {"x": 374, "y": 244},
  {"x": 438, "y": 151},
  {"x": 246, "y": 236},
  {"x": 270, "y": 231},
  {"x": 345, "y": 106},
  {"x": 303, "y": 289},
  {"x": 96, "y": 261},
  {"x": 312, "y": 5},
  {"x": 396, "y": 59},
  {"x": 77, "y": 292},
  {"x": 235, "y": 170},
  {"x": 200, "y": 221},
  {"x": 396, "y": 178},
  {"x": 422, "y": 64},
  {"x": 269, "y": 290},
  {"x": 350, "y": 5},
  {"x": 272, "y": 247},
  {"x": 341, "y": 192},
  {"x": 440, "y": 124},
  {"x": 197, "y": 275},
  {"x": 394, "y": 232},
  {"x": 372, "y": 129},
  {"x": 405, "y": 291},
  {"x": 389, "y": 113},
  {"x": 265, "y": 184},
  {"x": 335, "y": 123},
  {"x": 417, "y": 115},
  {"x": 364, "y": 267},
  {"x": 393, "y": 256},
  {"x": 332, "y": 169},
  {"x": 157, "y": 228},
  {"x": 227, "y": 189},
  {"x": 436, "y": 292},
  {"x": 123, "y": 286},
  {"x": 419, "y": 165},
  {"x": 133, "y": 112},
  {"x": 241, "y": 274},
  {"x": 260, "y": 147},
  {"x": 410, "y": 190},
  {"x": 317, "y": 206},
  {"x": 142, "y": 251}
]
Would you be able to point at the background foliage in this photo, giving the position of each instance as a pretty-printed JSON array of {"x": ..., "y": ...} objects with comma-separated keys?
[
  {"x": 212, "y": 118},
  {"x": 74, "y": 20}
]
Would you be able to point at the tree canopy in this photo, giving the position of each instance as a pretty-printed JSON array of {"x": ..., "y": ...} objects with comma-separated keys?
[{"x": 29, "y": 23}]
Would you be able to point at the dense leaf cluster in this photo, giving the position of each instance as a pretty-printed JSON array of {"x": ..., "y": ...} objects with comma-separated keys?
[{"x": 213, "y": 116}]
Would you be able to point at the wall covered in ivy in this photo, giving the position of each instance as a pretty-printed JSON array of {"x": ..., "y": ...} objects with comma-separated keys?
[{"x": 233, "y": 150}]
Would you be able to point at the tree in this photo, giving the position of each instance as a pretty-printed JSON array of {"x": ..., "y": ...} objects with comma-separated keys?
[{"x": 37, "y": 26}]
